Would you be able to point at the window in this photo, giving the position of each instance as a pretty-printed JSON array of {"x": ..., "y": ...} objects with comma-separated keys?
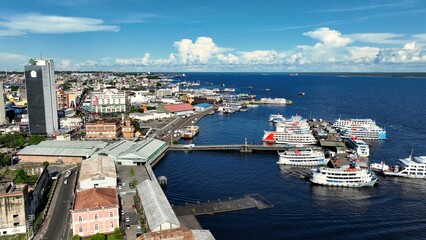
[
  {"x": 80, "y": 229},
  {"x": 111, "y": 215},
  {"x": 96, "y": 227},
  {"x": 80, "y": 218},
  {"x": 111, "y": 225},
  {"x": 96, "y": 216}
]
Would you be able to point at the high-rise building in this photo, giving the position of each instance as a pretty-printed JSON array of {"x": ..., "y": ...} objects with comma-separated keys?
[
  {"x": 41, "y": 97},
  {"x": 2, "y": 109}
]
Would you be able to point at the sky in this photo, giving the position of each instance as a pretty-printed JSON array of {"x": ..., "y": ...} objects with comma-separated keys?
[{"x": 215, "y": 36}]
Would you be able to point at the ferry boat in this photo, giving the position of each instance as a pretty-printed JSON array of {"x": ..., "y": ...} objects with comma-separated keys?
[
  {"x": 346, "y": 176},
  {"x": 289, "y": 137},
  {"x": 252, "y": 106},
  {"x": 275, "y": 117},
  {"x": 360, "y": 128},
  {"x": 360, "y": 147},
  {"x": 306, "y": 157},
  {"x": 190, "y": 131},
  {"x": 411, "y": 167},
  {"x": 274, "y": 100}
]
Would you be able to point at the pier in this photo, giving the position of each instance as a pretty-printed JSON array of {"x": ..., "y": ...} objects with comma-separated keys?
[
  {"x": 247, "y": 148},
  {"x": 219, "y": 206}
]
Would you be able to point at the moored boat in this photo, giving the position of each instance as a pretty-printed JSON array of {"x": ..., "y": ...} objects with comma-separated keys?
[
  {"x": 410, "y": 167},
  {"x": 346, "y": 176},
  {"x": 302, "y": 157}
]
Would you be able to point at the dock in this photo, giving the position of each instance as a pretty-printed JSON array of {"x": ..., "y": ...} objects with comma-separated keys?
[
  {"x": 245, "y": 148},
  {"x": 228, "y": 205}
]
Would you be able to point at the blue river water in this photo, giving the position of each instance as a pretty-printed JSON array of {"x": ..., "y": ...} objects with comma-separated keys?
[{"x": 394, "y": 209}]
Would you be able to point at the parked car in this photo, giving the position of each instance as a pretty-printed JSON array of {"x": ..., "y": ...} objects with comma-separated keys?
[
  {"x": 127, "y": 219},
  {"x": 128, "y": 226}
]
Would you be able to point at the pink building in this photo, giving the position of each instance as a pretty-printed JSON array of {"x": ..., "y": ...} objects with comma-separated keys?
[{"x": 95, "y": 210}]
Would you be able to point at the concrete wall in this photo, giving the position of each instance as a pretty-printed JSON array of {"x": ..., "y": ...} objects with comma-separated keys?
[
  {"x": 13, "y": 212},
  {"x": 108, "y": 182},
  {"x": 40, "y": 191},
  {"x": 50, "y": 159}
]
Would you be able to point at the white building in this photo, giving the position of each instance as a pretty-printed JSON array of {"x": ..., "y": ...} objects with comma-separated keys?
[
  {"x": 140, "y": 97},
  {"x": 97, "y": 172},
  {"x": 150, "y": 115},
  {"x": 108, "y": 101},
  {"x": 71, "y": 122}
]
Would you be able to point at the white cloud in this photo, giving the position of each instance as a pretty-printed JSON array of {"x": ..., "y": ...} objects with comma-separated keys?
[
  {"x": 379, "y": 38},
  {"x": 145, "y": 60},
  {"x": 198, "y": 52},
  {"x": 64, "y": 63},
  {"x": 228, "y": 58},
  {"x": 261, "y": 57},
  {"x": 363, "y": 54},
  {"x": 328, "y": 38},
  {"x": 409, "y": 53},
  {"x": 49, "y": 24}
]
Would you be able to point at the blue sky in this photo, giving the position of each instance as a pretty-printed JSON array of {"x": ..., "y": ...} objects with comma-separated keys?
[{"x": 189, "y": 35}]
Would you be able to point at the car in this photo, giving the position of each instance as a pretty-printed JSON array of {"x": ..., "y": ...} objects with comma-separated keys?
[
  {"x": 66, "y": 181},
  {"x": 124, "y": 184},
  {"x": 119, "y": 187},
  {"x": 122, "y": 212},
  {"x": 127, "y": 226},
  {"x": 127, "y": 219}
]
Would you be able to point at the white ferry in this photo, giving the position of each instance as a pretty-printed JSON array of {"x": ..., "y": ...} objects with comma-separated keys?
[
  {"x": 190, "y": 131},
  {"x": 346, "y": 176},
  {"x": 361, "y": 148},
  {"x": 274, "y": 100},
  {"x": 307, "y": 157},
  {"x": 289, "y": 137},
  {"x": 411, "y": 167},
  {"x": 360, "y": 128}
]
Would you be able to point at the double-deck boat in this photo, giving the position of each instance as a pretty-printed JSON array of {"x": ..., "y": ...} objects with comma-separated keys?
[
  {"x": 305, "y": 157},
  {"x": 346, "y": 176},
  {"x": 190, "y": 131},
  {"x": 361, "y": 148},
  {"x": 360, "y": 128},
  {"x": 410, "y": 167}
]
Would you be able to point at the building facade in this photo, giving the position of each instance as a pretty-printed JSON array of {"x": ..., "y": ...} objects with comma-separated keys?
[
  {"x": 41, "y": 97},
  {"x": 2, "y": 110},
  {"x": 95, "y": 211},
  {"x": 97, "y": 172},
  {"x": 128, "y": 130},
  {"x": 103, "y": 129},
  {"x": 14, "y": 209},
  {"x": 108, "y": 101}
]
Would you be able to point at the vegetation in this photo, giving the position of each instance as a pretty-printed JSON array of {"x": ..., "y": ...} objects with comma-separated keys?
[
  {"x": 5, "y": 159},
  {"x": 150, "y": 108},
  {"x": 132, "y": 172},
  {"x": 98, "y": 236},
  {"x": 76, "y": 237},
  {"x": 175, "y": 142},
  {"x": 35, "y": 139},
  {"x": 14, "y": 237},
  {"x": 13, "y": 140},
  {"x": 20, "y": 176},
  {"x": 14, "y": 88},
  {"x": 136, "y": 124},
  {"x": 45, "y": 164},
  {"x": 134, "y": 182},
  {"x": 135, "y": 109},
  {"x": 118, "y": 234}
]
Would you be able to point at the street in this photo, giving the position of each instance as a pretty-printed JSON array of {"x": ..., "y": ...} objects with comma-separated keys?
[{"x": 58, "y": 219}]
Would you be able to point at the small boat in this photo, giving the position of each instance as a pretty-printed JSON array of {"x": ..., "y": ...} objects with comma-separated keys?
[
  {"x": 301, "y": 93},
  {"x": 410, "y": 167},
  {"x": 304, "y": 157},
  {"x": 252, "y": 106}
]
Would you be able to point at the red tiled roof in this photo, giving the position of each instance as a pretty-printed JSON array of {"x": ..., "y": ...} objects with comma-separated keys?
[
  {"x": 178, "y": 107},
  {"x": 95, "y": 198}
]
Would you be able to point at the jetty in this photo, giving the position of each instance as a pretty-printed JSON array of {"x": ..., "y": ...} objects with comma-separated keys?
[
  {"x": 220, "y": 206},
  {"x": 245, "y": 148}
]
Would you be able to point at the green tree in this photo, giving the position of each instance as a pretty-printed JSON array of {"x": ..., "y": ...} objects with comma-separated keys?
[
  {"x": 118, "y": 234},
  {"x": 135, "y": 182},
  {"x": 5, "y": 159},
  {"x": 76, "y": 237},
  {"x": 136, "y": 124},
  {"x": 45, "y": 163},
  {"x": 132, "y": 172},
  {"x": 20, "y": 176},
  {"x": 98, "y": 236},
  {"x": 35, "y": 139}
]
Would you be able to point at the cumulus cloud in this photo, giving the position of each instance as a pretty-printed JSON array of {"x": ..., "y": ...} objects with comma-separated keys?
[
  {"x": 229, "y": 58},
  {"x": 199, "y": 51},
  {"x": 145, "y": 60},
  {"x": 379, "y": 38},
  {"x": 328, "y": 38},
  {"x": 363, "y": 54},
  {"x": 50, "y": 24},
  {"x": 261, "y": 57},
  {"x": 409, "y": 53}
]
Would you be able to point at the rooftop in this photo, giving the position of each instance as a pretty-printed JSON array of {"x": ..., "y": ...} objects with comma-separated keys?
[
  {"x": 96, "y": 198},
  {"x": 178, "y": 107},
  {"x": 99, "y": 166},
  {"x": 107, "y": 121},
  {"x": 63, "y": 148}
]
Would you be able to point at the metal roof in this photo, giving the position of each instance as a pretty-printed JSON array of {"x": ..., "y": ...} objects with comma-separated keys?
[
  {"x": 63, "y": 148},
  {"x": 99, "y": 166},
  {"x": 117, "y": 148},
  {"x": 155, "y": 205},
  {"x": 201, "y": 234}
]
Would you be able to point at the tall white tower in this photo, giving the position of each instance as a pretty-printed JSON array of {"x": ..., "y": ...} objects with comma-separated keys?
[
  {"x": 41, "y": 97},
  {"x": 2, "y": 109}
]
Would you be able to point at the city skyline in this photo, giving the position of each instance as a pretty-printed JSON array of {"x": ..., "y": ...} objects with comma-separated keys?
[{"x": 362, "y": 36}]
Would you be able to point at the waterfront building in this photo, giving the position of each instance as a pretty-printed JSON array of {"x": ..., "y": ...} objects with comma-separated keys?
[
  {"x": 14, "y": 208},
  {"x": 181, "y": 109},
  {"x": 95, "y": 211},
  {"x": 103, "y": 129},
  {"x": 150, "y": 115},
  {"x": 136, "y": 153},
  {"x": 41, "y": 96},
  {"x": 108, "y": 101},
  {"x": 97, "y": 172},
  {"x": 60, "y": 151},
  {"x": 203, "y": 107}
]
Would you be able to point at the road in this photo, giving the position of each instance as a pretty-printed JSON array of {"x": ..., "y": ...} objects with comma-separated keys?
[{"x": 58, "y": 226}]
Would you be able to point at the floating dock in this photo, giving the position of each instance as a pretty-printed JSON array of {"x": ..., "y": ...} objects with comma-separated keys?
[{"x": 228, "y": 205}]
